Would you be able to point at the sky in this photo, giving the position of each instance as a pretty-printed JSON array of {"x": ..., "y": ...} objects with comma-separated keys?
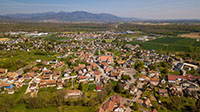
[{"x": 146, "y": 9}]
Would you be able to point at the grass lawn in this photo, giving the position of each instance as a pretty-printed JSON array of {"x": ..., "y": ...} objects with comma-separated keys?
[
  {"x": 108, "y": 40},
  {"x": 19, "y": 93},
  {"x": 13, "y": 60},
  {"x": 170, "y": 44},
  {"x": 91, "y": 87},
  {"x": 79, "y": 109},
  {"x": 22, "y": 108}
]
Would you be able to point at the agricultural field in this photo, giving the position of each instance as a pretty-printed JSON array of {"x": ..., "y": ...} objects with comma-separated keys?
[
  {"x": 171, "y": 44},
  {"x": 190, "y": 35},
  {"x": 4, "y": 39},
  {"x": 177, "y": 41},
  {"x": 79, "y": 109},
  {"x": 13, "y": 60}
]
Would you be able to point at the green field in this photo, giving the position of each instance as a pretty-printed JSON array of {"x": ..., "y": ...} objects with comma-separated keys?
[
  {"x": 171, "y": 44},
  {"x": 79, "y": 109},
  {"x": 91, "y": 87},
  {"x": 177, "y": 41},
  {"x": 22, "y": 108},
  {"x": 13, "y": 60}
]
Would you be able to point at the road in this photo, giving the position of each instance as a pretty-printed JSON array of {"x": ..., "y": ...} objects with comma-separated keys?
[{"x": 28, "y": 88}]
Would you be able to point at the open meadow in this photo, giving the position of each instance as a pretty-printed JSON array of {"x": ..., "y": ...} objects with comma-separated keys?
[{"x": 171, "y": 44}]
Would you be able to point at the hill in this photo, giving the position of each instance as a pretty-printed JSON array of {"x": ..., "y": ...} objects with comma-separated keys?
[{"x": 77, "y": 16}]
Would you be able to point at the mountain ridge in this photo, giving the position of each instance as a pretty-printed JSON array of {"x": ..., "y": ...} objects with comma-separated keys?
[{"x": 76, "y": 16}]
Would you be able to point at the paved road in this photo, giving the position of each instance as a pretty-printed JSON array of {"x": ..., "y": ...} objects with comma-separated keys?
[{"x": 28, "y": 88}]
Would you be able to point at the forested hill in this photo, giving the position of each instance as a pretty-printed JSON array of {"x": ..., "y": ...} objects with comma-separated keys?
[{"x": 77, "y": 16}]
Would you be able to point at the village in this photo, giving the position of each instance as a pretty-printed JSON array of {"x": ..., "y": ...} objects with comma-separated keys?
[{"x": 143, "y": 78}]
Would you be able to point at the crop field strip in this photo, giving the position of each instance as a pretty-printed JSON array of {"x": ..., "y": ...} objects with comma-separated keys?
[{"x": 171, "y": 44}]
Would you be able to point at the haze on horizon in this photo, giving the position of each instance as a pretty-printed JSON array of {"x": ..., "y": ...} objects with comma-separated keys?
[{"x": 146, "y": 9}]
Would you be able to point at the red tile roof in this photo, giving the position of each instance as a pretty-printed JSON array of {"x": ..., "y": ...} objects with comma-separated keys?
[
  {"x": 109, "y": 105},
  {"x": 97, "y": 72},
  {"x": 82, "y": 77}
]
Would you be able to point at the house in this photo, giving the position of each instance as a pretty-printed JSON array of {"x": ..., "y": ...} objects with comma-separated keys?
[
  {"x": 97, "y": 72},
  {"x": 60, "y": 85},
  {"x": 56, "y": 74},
  {"x": 108, "y": 106},
  {"x": 126, "y": 87},
  {"x": 107, "y": 70},
  {"x": 35, "y": 68},
  {"x": 108, "y": 59},
  {"x": 3, "y": 79},
  {"x": 67, "y": 72},
  {"x": 143, "y": 71},
  {"x": 153, "y": 74},
  {"x": 46, "y": 77},
  {"x": 11, "y": 91},
  {"x": 12, "y": 74},
  {"x": 162, "y": 92},
  {"x": 97, "y": 78},
  {"x": 82, "y": 78},
  {"x": 100, "y": 110},
  {"x": 10, "y": 80},
  {"x": 45, "y": 62},
  {"x": 154, "y": 81},
  {"x": 89, "y": 68},
  {"x": 38, "y": 61},
  {"x": 139, "y": 101},
  {"x": 176, "y": 90},
  {"x": 45, "y": 71},
  {"x": 174, "y": 78},
  {"x": 51, "y": 83},
  {"x": 98, "y": 88},
  {"x": 94, "y": 65},
  {"x": 112, "y": 104},
  {"x": 3, "y": 71},
  {"x": 29, "y": 75},
  {"x": 143, "y": 78},
  {"x": 43, "y": 85},
  {"x": 73, "y": 93},
  {"x": 147, "y": 102},
  {"x": 119, "y": 109},
  {"x": 116, "y": 99},
  {"x": 33, "y": 86},
  {"x": 104, "y": 65},
  {"x": 133, "y": 90},
  {"x": 114, "y": 74},
  {"x": 8, "y": 86}
]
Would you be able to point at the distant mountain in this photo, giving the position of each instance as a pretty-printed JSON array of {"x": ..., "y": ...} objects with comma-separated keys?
[
  {"x": 77, "y": 16},
  {"x": 6, "y": 19}
]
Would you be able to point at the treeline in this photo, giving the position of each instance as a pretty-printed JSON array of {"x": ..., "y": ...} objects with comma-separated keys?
[
  {"x": 54, "y": 27},
  {"x": 172, "y": 29}
]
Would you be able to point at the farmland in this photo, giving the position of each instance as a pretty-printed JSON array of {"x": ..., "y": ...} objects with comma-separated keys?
[
  {"x": 191, "y": 35},
  {"x": 171, "y": 44},
  {"x": 4, "y": 39}
]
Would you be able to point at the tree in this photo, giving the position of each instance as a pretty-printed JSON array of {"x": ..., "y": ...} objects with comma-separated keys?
[
  {"x": 139, "y": 65},
  {"x": 136, "y": 106},
  {"x": 125, "y": 77},
  {"x": 80, "y": 86},
  {"x": 60, "y": 97},
  {"x": 165, "y": 71},
  {"x": 119, "y": 87}
]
